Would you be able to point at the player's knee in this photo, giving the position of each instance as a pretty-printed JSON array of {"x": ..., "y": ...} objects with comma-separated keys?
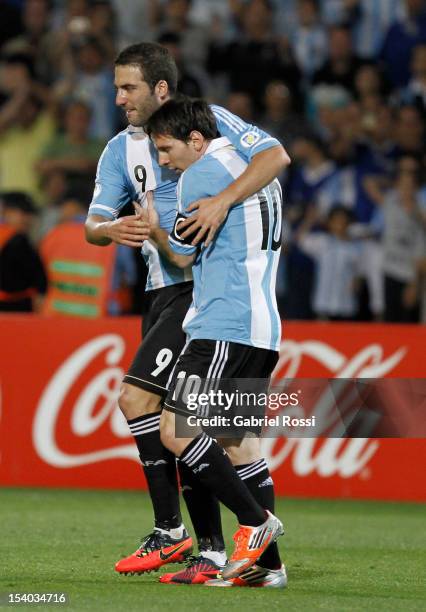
[
  {"x": 168, "y": 438},
  {"x": 125, "y": 400},
  {"x": 135, "y": 402},
  {"x": 245, "y": 451}
]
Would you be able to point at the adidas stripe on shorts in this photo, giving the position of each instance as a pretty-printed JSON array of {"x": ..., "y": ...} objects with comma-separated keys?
[{"x": 214, "y": 361}]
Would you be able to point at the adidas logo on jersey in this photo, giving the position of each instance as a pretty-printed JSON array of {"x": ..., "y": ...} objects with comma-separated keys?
[{"x": 267, "y": 483}]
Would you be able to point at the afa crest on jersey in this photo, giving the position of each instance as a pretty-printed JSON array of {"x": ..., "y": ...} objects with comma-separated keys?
[{"x": 249, "y": 139}]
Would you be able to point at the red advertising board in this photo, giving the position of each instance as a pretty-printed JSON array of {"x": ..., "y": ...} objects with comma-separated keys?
[{"x": 60, "y": 425}]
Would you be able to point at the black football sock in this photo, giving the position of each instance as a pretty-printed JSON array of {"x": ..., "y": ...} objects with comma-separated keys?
[
  {"x": 258, "y": 480},
  {"x": 211, "y": 466},
  {"x": 204, "y": 510},
  {"x": 159, "y": 466}
]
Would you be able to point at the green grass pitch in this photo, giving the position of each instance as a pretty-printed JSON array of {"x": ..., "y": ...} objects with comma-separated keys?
[{"x": 340, "y": 555}]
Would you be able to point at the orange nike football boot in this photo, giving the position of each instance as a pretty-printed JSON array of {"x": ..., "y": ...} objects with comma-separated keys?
[{"x": 157, "y": 549}]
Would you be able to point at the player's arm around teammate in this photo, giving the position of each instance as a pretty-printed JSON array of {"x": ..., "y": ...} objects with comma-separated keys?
[{"x": 211, "y": 212}]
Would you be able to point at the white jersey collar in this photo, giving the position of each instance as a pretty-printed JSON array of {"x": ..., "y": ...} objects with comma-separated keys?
[
  {"x": 217, "y": 143},
  {"x": 135, "y": 129}
]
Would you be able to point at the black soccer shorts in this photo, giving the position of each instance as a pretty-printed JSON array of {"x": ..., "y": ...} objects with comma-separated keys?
[
  {"x": 220, "y": 365},
  {"x": 162, "y": 338}
]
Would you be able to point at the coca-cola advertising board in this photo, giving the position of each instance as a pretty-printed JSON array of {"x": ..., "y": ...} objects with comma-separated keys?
[{"x": 60, "y": 424}]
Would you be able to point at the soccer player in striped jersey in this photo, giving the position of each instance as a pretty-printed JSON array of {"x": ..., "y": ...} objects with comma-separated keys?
[
  {"x": 233, "y": 327},
  {"x": 145, "y": 78}
]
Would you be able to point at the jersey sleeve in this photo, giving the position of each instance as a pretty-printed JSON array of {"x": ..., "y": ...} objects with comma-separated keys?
[
  {"x": 195, "y": 183},
  {"x": 246, "y": 138},
  {"x": 112, "y": 189},
  {"x": 188, "y": 190},
  {"x": 165, "y": 205},
  {"x": 180, "y": 245}
]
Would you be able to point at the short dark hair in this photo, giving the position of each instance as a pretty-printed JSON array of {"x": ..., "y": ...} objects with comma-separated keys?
[
  {"x": 169, "y": 38},
  {"x": 20, "y": 58},
  {"x": 18, "y": 200},
  {"x": 180, "y": 116},
  {"x": 154, "y": 61},
  {"x": 340, "y": 209}
]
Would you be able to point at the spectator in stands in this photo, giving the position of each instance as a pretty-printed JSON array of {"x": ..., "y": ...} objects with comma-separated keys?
[
  {"x": 190, "y": 82},
  {"x": 26, "y": 125},
  {"x": 279, "y": 117},
  {"x": 255, "y": 59},
  {"x": 370, "y": 22},
  {"x": 34, "y": 41},
  {"x": 368, "y": 152},
  {"x": 218, "y": 15},
  {"x": 285, "y": 16},
  {"x": 22, "y": 276},
  {"x": 174, "y": 16},
  {"x": 342, "y": 63},
  {"x": 410, "y": 131},
  {"x": 17, "y": 79},
  {"x": 89, "y": 78},
  {"x": 401, "y": 38},
  {"x": 103, "y": 27},
  {"x": 415, "y": 92},
  {"x": 370, "y": 85},
  {"x": 325, "y": 104},
  {"x": 403, "y": 240},
  {"x": 130, "y": 17},
  {"x": 308, "y": 40},
  {"x": 73, "y": 24},
  {"x": 54, "y": 187},
  {"x": 336, "y": 257},
  {"x": 310, "y": 178},
  {"x": 307, "y": 187},
  {"x": 72, "y": 152}
]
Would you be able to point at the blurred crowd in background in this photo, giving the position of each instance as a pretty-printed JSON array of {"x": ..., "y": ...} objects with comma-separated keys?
[{"x": 341, "y": 83}]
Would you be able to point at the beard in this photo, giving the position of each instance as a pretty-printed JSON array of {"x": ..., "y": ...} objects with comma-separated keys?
[{"x": 140, "y": 116}]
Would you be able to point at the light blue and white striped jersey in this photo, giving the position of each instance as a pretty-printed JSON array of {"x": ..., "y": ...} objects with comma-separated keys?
[
  {"x": 310, "y": 48},
  {"x": 128, "y": 168},
  {"x": 234, "y": 277},
  {"x": 370, "y": 21},
  {"x": 337, "y": 267},
  {"x": 374, "y": 19}
]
